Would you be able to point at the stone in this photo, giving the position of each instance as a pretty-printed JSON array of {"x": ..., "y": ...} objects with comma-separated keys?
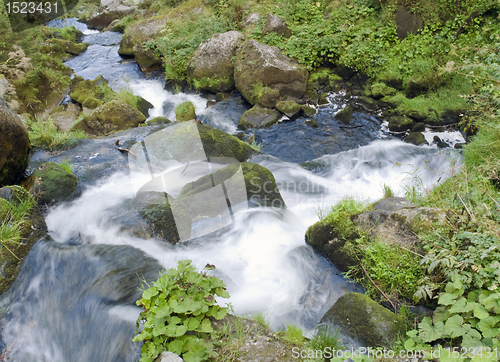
[
  {"x": 407, "y": 22},
  {"x": 185, "y": 112},
  {"x": 276, "y": 24},
  {"x": 418, "y": 116},
  {"x": 101, "y": 21},
  {"x": 14, "y": 146},
  {"x": 308, "y": 111},
  {"x": 290, "y": 109},
  {"x": 251, "y": 19},
  {"x": 311, "y": 123},
  {"x": 345, "y": 115},
  {"x": 64, "y": 120},
  {"x": 50, "y": 184},
  {"x": 418, "y": 127},
  {"x": 113, "y": 116},
  {"x": 146, "y": 58},
  {"x": 139, "y": 33},
  {"x": 168, "y": 357},
  {"x": 416, "y": 138},
  {"x": 400, "y": 123},
  {"x": 380, "y": 90},
  {"x": 68, "y": 46},
  {"x": 269, "y": 98},
  {"x": 81, "y": 89},
  {"x": 364, "y": 320},
  {"x": 158, "y": 121},
  {"x": 258, "y": 117},
  {"x": 439, "y": 142},
  {"x": 212, "y": 64},
  {"x": 258, "y": 65},
  {"x": 4, "y": 84}
]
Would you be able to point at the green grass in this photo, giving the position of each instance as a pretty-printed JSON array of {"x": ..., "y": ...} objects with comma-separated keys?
[
  {"x": 66, "y": 165},
  {"x": 294, "y": 334},
  {"x": 43, "y": 133}
]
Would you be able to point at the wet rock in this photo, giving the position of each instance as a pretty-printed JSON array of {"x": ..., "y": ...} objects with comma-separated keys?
[
  {"x": 345, "y": 115},
  {"x": 276, "y": 24},
  {"x": 212, "y": 64},
  {"x": 450, "y": 116},
  {"x": 380, "y": 90},
  {"x": 364, "y": 320},
  {"x": 158, "y": 121},
  {"x": 113, "y": 116},
  {"x": 82, "y": 89},
  {"x": 416, "y": 138},
  {"x": 312, "y": 123},
  {"x": 258, "y": 117},
  {"x": 407, "y": 22},
  {"x": 14, "y": 146},
  {"x": 50, "y": 184},
  {"x": 290, "y": 109},
  {"x": 392, "y": 80},
  {"x": 418, "y": 127},
  {"x": 439, "y": 142},
  {"x": 100, "y": 21},
  {"x": 32, "y": 228},
  {"x": 185, "y": 112},
  {"x": 68, "y": 46},
  {"x": 146, "y": 58},
  {"x": 308, "y": 111},
  {"x": 400, "y": 123},
  {"x": 259, "y": 65},
  {"x": 368, "y": 102}
]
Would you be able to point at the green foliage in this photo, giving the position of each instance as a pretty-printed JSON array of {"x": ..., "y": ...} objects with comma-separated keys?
[
  {"x": 325, "y": 337},
  {"x": 43, "y": 133},
  {"x": 388, "y": 192},
  {"x": 177, "y": 308},
  {"x": 261, "y": 319},
  {"x": 347, "y": 206},
  {"x": 294, "y": 334}
]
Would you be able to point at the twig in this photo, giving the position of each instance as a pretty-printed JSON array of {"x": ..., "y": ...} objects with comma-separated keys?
[
  {"x": 125, "y": 150},
  {"x": 411, "y": 251},
  {"x": 375, "y": 285},
  {"x": 466, "y": 208},
  {"x": 185, "y": 168}
]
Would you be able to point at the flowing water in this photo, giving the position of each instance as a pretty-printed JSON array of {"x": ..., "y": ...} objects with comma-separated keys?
[{"x": 74, "y": 299}]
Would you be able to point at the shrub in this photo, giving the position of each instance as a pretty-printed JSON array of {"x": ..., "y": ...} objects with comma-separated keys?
[{"x": 177, "y": 312}]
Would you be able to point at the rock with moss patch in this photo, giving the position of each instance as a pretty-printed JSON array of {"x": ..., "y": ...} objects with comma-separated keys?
[
  {"x": 311, "y": 123},
  {"x": 308, "y": 111},
  {"x": 31, "y": 229},
  {"x": 14, "y": 146},
  {"x": 345, "y": 115},
  {"x": 113, "y": 116},
  {"x": 258, "y": 117},
  {"x": 212, "y": 64},
  {"x": 158, "y": 121},
  {"x": 258, "y": 65},
  {"x": 364, "y": 320},
  {"x": 147, "y": 58},
  {"x": 50, "y": 184},
  {"x": 290, "y": 109},
  {"x": 418, "y": 116},
  {"x": 277, "y": 25},
  {"x": 185, "y": 112},
  {"x": 82, "y": 89},
  {"x": 139, "y": 33},
  {"x": 380, "y": 90},
  {"x": 400, "y": 123},
  {"x": 416, "y": 138},
  {"x": 64, "y": 120},
  {"x": 68, "y": 46},
  {"x": 269, "y": 97}
]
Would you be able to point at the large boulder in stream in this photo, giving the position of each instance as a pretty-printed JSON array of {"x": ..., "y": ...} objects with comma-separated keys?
[
  {"x": 201, "y": 208},
  {"x": 24, "y": 232},
  {"x": 14, "y": 145},
  {"x": 258, "y": 66},
  {"x": 212, "y": 64},
  {"x": 365, "y": 321},
  {"x": 393, "y": 221},
  {"x": 113, "y": 116},
  {"x": 51, "y": 183},
  {"x": 138, "y": 34}
]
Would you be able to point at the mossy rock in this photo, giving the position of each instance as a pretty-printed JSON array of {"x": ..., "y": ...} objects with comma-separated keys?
[
  {"x": 380, "y": 90},
  {"x": 334, "y": 241},
  {"x": 50, "y": 184},
  {"x": 400, "y": 123},
  {"x": 368, "y": 102},
  {"x": 68, "y": 46},
  {"x": 259, "y": 117},
  {"x": 418, "y": 116},
  {"x": 290, "y": 109},
  {"x": 416, "y": 138},
  {"x": 91, "y": 103},
  {"x": 345, "y": 115},
  {"x": 113, "y": 116},
  {"x": 268, "y": 97},
  {"x": 14, "y": 146},
  {"x": 311, "y": 123},
  {"x": 82, "y": 89},
  {"x": 308, "y": 111},
  {"x": 32, "y": 228},
  {"x": 185, "y": 112},
  {"x": 364, "y": 320},
  {"x": 392, "y": 80},
  {"x": 146, "y": 58},
  {"x": 158, "y": 121},
  {"x": 260, "y": 185}
]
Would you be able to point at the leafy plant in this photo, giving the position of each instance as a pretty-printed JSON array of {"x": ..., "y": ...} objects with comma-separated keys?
[
  {"x": 177, "y": 312},
  {"x": 294, "y": 334},
  {"x": 44, "y": 133}
]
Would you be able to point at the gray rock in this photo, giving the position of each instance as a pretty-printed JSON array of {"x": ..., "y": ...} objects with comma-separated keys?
[
  {"x": 168, "y": 357},
  {"x": 276, "y": 24},
  {"x": 258, "y": 65},
  {"x": 258, "y": 117},
  {"x": 64, "y": 120},
  {"x": 251, "y": 19},
  {"x": 213, "y": 62},
  {"x": 345, "y": 115}
]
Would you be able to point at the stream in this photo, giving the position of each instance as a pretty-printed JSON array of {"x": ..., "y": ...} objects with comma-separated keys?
[{"x": 74, "y": 299}]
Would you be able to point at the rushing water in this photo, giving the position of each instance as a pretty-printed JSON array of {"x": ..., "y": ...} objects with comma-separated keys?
[{"x": 74, "y": 299}]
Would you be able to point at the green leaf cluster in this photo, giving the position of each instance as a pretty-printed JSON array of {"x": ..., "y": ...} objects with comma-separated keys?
[{"x": 177, "y": 312}]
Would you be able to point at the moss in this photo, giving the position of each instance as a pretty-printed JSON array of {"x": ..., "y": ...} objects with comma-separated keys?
[
  {"x": 67, "y": 46},
  {"x": 91, "y": 103},
  {"x": 158, "y": 121},
  {"x": 82, "y": 89},
  {"x": 51, "y": 183},
  {"x": 185, "y": 112},
  {"x": 380, "y": 90}
]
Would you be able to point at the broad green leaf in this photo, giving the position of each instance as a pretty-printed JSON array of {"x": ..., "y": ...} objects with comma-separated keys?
[
  {"x": 430, "y": 332},
  {"x": 192, "y": 323},
  {"x": 487, "y": 326},
  {"x": 480, "y": 312},
  {"x": 149, "y": 293},
  {"x": 205, "y": 326},
  {"x": 220, "y": 314},
  {"x": 446, "y": 299},
  {"x": 454, "y": 327},
  {"x": 459, "y": 306},
  {"x": 176, "y": 346}
]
